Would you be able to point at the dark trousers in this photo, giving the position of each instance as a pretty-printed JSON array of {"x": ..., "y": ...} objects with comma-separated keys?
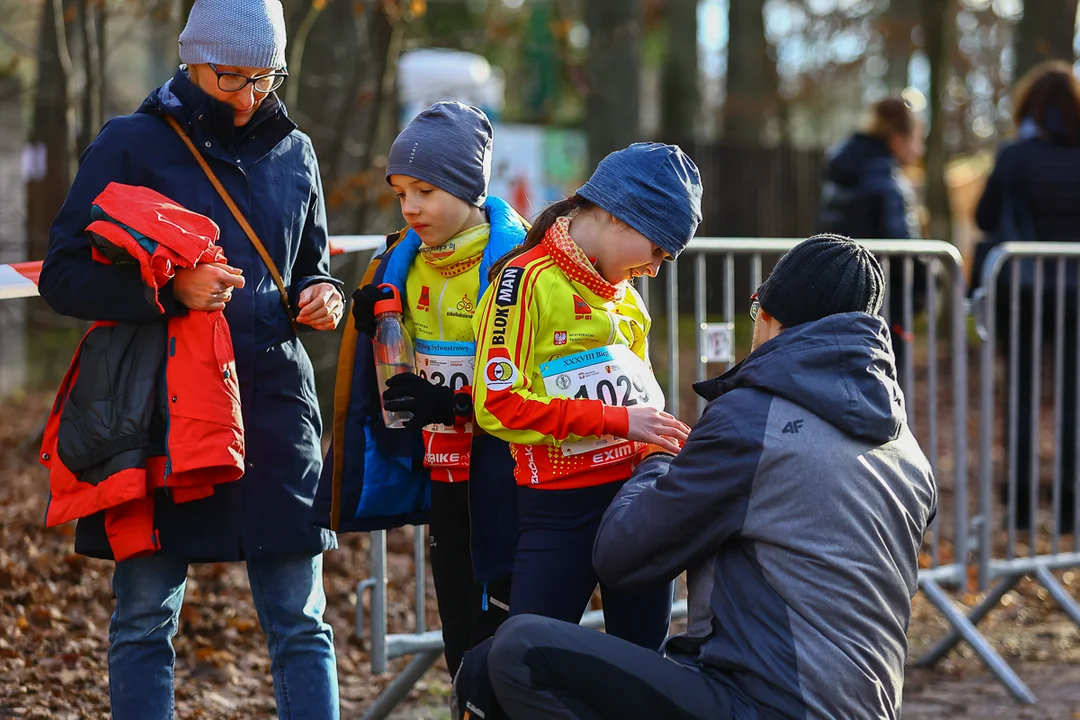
[
  {"x": 468, "y": 613},
  {"x": 553, "y": 570},
  {"x": 543, "y": 668},
  {"x": 1026, "y": 394}
]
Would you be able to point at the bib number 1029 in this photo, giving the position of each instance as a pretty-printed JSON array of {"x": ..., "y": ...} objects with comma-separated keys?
[
  {"x": 621, "y": 390},
  {"x": 456, "y": 380}
]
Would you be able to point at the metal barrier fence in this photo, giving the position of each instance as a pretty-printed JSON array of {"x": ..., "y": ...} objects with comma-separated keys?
[
  {"x": 1027, "y": 263},
  {"x": 944, "y": 310}
]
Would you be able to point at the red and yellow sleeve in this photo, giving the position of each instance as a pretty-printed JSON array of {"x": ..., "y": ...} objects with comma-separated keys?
[{"x": 508, "y": 403}]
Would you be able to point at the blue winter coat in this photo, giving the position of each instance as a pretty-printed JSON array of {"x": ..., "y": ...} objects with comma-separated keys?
[
  {"x": 865, "y": 195},
  {"x": 374, "y": 478},
  {"x": 269, "y": 168}
]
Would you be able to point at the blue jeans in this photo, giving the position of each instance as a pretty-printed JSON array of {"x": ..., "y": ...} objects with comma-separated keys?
[{"x": 289, "y": 598}]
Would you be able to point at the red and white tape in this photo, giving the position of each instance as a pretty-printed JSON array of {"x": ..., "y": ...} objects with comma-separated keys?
[{"x": 19, "y": 280}]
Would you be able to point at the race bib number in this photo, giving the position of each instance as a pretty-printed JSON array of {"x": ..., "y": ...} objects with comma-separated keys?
[
  {"x": 447, "y": 364},
  {"x": 613, "y": 375}
]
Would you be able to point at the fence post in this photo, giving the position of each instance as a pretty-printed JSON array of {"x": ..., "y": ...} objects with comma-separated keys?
[
  {"x": 13, "y": 243},
  {"x": 377, "y": 567}
]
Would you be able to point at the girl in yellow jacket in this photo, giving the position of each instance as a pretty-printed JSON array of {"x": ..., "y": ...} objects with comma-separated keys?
[{"x": 563, "y": 375}]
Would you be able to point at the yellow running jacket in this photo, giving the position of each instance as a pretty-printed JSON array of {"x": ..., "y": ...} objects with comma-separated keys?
[
  {"x": 441, "y": 288},
  {"x": 560, "y": 355}
]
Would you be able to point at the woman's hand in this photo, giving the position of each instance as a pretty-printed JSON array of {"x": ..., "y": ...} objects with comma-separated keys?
[
  {"x": 207, "y": 287},
  {"x": 649, "y": 425},
  {"x": 321, "y": 306}
]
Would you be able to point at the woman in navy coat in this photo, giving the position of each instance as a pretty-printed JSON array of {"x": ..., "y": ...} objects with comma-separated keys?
[{"x": 268, "y": 167}]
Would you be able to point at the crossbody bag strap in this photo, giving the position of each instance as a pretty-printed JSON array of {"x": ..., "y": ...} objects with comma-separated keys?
[{"x": 244, "y": 224}]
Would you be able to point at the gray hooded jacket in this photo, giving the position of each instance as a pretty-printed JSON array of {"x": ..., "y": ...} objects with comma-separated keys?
[{"x": 798, "y": 507}]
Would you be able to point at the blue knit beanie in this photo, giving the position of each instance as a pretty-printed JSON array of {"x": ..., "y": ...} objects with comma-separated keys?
[
  {"x": 240, "y": 33},
  {"x": 653, "y": 188},
  {"x": 449, "y": 146}
]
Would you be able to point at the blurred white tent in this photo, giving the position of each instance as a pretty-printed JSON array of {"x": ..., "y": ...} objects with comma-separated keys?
[
  {"x": 428, "y": 75},
  {"x": 532, "y": 165}
]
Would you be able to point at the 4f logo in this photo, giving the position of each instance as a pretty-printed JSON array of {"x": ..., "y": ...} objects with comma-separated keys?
[
  {"x": 582, "y": 310},
  {"x": 424, "y": 303},
  {"x": 793, "y": 427}
]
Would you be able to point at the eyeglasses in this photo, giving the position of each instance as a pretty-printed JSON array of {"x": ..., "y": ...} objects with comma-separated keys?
[
  {"x": 755, "y": 306},
  {"x": 231, "y": 82}
]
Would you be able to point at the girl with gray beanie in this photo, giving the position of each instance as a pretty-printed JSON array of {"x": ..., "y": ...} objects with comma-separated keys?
[
  {"x": 439, "y": 167},
  {"x": 563, "y": 375}
]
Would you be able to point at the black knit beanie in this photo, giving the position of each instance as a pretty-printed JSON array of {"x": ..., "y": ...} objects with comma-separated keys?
[{"x": 823, "y": 275}]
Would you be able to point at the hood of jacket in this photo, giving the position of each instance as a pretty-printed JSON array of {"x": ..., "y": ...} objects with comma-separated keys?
[
  {"x": 133, "y": 223},
  {"x": 841, "y": 368}
]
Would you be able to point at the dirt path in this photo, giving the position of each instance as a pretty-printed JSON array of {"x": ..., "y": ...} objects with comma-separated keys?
[{"x": 928, "y": 695}]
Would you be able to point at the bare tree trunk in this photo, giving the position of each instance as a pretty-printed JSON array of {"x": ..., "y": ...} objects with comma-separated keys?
[
  {"x": 13, "y": 245},
  {"x": 896, "y": 25},
  {"x": 296, "y": 51},
  {"x": 50, "y": 133},
  {"x": 937, "y": 26},
  {"x": 613, "y": 105},
  {"x": 1045, "y": 32},
  {"x": 90, "y": 121},
  {"x": 680, "y": 93},
  {"x": 166, "y": 20},
  {"x": 752, "y": 101},
  {"x": 384, "y": 35},
  {"x": 102, "y": 59}
]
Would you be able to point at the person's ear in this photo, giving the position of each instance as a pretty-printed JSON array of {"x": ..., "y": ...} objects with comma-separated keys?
[{"x": 770, "y": 321}]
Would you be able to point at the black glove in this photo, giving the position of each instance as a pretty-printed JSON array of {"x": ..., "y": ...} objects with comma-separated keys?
[
  {"x": 428, "y": 403},
  {"x": 363, "y": 307}
]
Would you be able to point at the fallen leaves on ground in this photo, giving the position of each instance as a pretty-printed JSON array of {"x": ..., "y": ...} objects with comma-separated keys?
[{"x": 55, "y": 608}]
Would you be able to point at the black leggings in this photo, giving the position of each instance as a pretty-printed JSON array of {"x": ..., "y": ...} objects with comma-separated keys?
[
  {"x": 553, "y": 570},
  {"x": 543, "y": 668},
  {"x": 467, "y": 616}
]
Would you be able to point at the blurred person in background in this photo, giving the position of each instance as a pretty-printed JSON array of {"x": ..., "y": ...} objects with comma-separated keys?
[
  {"x": 867, "y": 196},
  {"x": 1032, "y": 195}
]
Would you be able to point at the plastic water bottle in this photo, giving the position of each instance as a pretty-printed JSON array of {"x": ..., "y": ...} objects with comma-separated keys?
[{"x": 393, "y": 350}]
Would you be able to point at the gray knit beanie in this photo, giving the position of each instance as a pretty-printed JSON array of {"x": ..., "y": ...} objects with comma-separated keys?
[
  {"x": 240, "y": 33},
  {"x": 447, "y": 145}
]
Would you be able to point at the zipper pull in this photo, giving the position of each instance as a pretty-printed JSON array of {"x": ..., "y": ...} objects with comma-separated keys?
[{"x": 484, "y": 599}]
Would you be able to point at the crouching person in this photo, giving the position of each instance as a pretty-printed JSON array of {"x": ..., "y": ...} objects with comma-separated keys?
[{"x": 797, "y": 507}]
